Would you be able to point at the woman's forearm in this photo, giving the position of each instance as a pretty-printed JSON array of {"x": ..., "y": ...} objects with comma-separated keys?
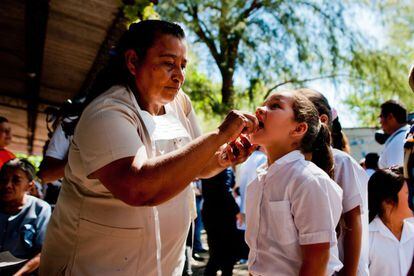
[{"x": 153, "y": 181}]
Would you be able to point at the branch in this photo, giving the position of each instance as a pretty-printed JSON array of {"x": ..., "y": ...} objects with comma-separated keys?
[
  {"x": 247, "y": 12},
  {"x": 294, "y": 80},
  {"x": 203, "y": 36}
]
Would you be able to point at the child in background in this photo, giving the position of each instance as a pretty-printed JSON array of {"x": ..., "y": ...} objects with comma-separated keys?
[
  {"x": 351, "y": 177},
  {"x": 292, "y": 207},
  {"x": 391, "y": 228}
]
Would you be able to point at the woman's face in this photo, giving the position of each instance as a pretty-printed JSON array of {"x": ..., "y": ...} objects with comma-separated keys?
[
  {"x": 162, "y": 72},
  {"x": 14, "y": 184},
  {"x": 276, "y": 120}
]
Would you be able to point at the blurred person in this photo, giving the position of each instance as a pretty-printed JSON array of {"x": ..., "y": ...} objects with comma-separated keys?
[
  {"x": 351, "y": 177},
  {"x": 23, "y": 218},
  {"x": 371, "y": 163},
  {"x": 393, "y": 120},
  {"x": 339, "y": 139},
  {"x": 135, "y": 150},
  {"x": 5, "y": 140},
  {"x": 391, "y": 228},
  {"x": 292, "y": 207},
  {"x": 219, "y": 218}
]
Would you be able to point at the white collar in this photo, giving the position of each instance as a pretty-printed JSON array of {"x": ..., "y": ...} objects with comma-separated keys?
[
  {"x": 278, "y": 164},
  {"x": 407, "y": 233}
]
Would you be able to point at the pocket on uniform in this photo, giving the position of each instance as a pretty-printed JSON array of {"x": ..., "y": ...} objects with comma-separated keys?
[
  {"x": 281, "y": 225},
  {"x": 105, "y": 250}
]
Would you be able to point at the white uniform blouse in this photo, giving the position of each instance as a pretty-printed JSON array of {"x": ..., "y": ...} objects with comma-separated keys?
[
  {"x": 389, "y": 256},
  {"x": 393, "y": 152},
  {"x": 353, "y": 180},
  {"x": 292, "y": 203}
]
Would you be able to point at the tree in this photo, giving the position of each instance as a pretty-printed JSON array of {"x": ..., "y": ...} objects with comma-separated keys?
[
  {"x": 267, "y": 41},
  {"x": 383, "y": 70}
]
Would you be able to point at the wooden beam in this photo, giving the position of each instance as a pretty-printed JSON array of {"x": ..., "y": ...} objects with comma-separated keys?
[
  {"x": 36, "y": 16},
  {"x": 113, "y": 35}
]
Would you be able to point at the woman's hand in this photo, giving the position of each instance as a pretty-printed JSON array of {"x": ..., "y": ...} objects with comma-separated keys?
[
  {"x": 236, "y": 151},
  {"x": 236, "y": 123}
]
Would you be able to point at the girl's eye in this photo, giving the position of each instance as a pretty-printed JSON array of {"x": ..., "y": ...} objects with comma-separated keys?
[
  {"x": 169, "y": 64},
  {"x": 275, "y": 105}
]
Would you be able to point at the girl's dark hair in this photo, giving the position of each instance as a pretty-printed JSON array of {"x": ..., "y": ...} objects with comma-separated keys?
[
  {"x": 384, "y": 185},
  {"x": 22, "y": 164},
  {"x": 140, "y": 37},
  {"x": 317, "y": 139},
  {"x": 339, "y": 140}
]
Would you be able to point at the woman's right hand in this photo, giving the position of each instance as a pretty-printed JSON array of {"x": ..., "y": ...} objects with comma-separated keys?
[{"x": 236, "y": 123}]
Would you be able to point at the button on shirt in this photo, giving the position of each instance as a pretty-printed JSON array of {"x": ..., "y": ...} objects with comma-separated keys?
[
  {"x": 393, "y": 152},
  {"x": 387, "y": 254},
  {"x": 292, "y": 203}
]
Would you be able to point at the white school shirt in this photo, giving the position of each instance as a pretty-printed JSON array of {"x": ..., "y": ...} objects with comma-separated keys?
[
  {"x": 290, "y": 204},
  {"x": 389, "y": 256},
  {"x": 59, "y": 144},
  {"x": 246, "y": 174},
  {"x": 393, "y": 152},
  {"x": 353, "y": 180}
]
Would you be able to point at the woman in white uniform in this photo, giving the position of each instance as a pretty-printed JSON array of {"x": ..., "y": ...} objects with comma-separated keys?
[
  {"x": 391, "y": 228},
  {"x": 125, "y": 206}
]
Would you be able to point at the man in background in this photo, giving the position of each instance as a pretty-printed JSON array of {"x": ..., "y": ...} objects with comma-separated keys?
[
  {"x": 393, "y": 119},
  {"x": 5, "y": 140}
]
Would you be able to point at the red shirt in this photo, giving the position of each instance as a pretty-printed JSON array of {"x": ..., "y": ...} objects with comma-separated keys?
[{"x": 5, "y": 156}]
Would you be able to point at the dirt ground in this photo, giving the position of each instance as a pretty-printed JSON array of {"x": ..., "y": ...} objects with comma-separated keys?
[{"x": 198, "y": 267}]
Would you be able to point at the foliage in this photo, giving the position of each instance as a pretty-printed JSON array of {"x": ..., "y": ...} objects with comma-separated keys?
[
  {"x": 270, "y": 41},
  {"x": 34, "y": 159},
  {"x": 140, "y": 10},
  {"x": 382, "y": 72}
]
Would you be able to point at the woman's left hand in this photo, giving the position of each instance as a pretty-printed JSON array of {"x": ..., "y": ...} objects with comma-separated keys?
[{"x": 235, "y": 152}]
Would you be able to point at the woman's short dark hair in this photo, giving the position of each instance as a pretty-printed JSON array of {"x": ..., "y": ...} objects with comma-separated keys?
[
  {"x": 140, "y": 37},
  {"x": 395, "y": 108},
  {"x": 384, "y": 186},
  {"x": 22, "y": 164}
]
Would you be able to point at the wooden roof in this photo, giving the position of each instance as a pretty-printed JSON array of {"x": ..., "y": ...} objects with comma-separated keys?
[{"x": 48, "y": 52}]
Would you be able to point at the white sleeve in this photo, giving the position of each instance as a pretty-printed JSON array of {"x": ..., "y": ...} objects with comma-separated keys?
[
  {"x": 395, "y": 153},
  {"x": 353, "y": 180},
  {"x": 312, "y": 213},
  {"x": 59, "y": 145}
]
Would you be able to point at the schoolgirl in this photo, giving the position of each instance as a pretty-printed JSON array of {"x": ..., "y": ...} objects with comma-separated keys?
[
  {"x": 292, "y": 207},
  {"x": 391, "y": 228}
]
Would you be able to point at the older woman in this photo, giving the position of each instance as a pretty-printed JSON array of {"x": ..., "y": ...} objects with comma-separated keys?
[
  {"x": 125, "y": 206},
  {"x": 23, "y": 218}
]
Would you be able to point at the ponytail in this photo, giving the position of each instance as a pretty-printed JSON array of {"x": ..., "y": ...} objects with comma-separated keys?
[{"x": 321, "y": 151}]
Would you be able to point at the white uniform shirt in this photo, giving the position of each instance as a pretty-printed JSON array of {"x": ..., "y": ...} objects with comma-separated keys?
[
  {"x": 59, "y": 144},
  {"x": 388, "y": 255},
  {"x": 393, "y": 152},
  {"x": 353, "y": 180},
  {"x": 246, "y": 174},
  {"x": 290, "y": 204}
]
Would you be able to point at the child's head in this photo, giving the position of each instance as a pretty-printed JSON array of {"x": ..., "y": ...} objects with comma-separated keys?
[
  {"x": 288, "y": 119},
  {"x": 16, "y": 178},
  {"x": 5, "y": 132},
  {"x": 388, "y": 194}
]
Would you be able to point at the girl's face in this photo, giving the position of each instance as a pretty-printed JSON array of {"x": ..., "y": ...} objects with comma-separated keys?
[
  {"x": 403, "y": 208},
  {"x": 276, "y": 120},
  {"x": 14, "y": 184}
]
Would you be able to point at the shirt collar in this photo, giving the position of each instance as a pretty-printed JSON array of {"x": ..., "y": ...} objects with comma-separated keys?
[
  {"x": 279, "y": 163},
  {"x": 408, "y": 229}
]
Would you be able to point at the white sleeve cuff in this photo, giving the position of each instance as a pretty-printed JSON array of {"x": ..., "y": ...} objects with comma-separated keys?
[
  {"x": 351, "y": 203},
  {"x": 318, "y": 237}
]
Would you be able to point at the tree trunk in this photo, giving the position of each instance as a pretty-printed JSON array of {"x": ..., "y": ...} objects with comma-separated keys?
[{"x": 227, "y": 89}]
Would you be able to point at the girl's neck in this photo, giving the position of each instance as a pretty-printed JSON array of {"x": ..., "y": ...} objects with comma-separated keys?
[
  {"x": 275, "y": 152},
  {"x": 12, "y": 207},
  {"x": 395, "y": 224}
]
